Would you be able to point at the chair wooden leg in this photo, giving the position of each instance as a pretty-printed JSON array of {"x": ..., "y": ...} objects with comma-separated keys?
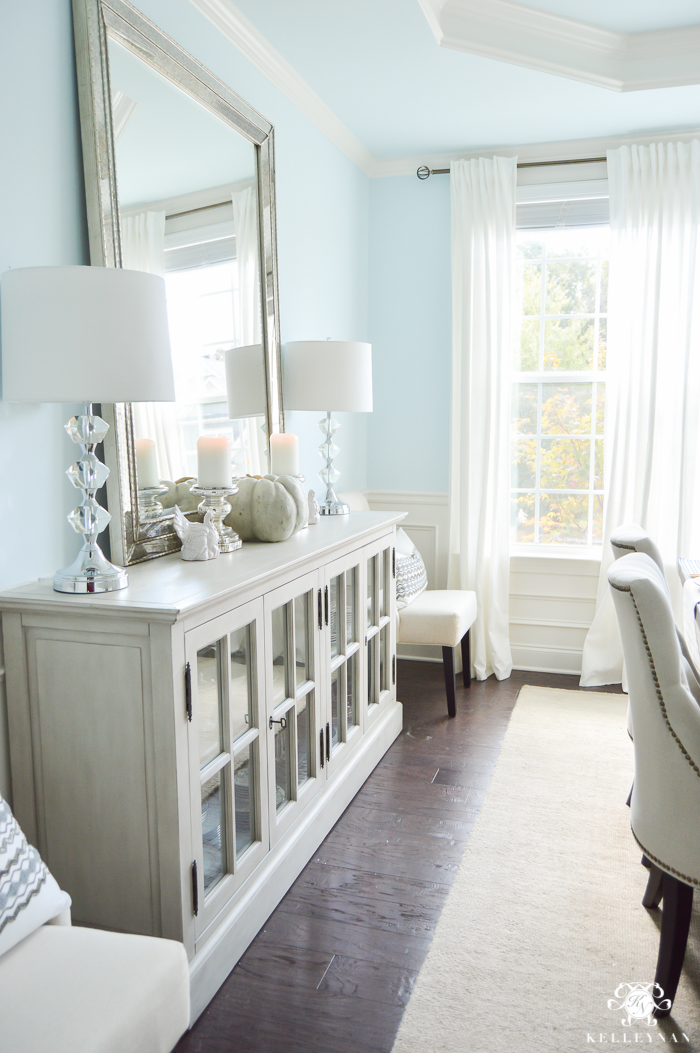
[
  {"x": 678, "y": 905},
  {"x": 466, "y": 660},
  {"x": 448, "y": 662},
  {"x": 655, "y": 885}
]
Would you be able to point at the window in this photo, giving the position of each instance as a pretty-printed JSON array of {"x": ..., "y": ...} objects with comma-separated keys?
[
  {"x": 558, "y": 387},
  {"x": 202, "y": 285}
]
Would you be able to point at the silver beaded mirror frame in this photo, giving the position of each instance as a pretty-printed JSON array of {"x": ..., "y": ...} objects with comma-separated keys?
[{"x": 96, "y": 22}]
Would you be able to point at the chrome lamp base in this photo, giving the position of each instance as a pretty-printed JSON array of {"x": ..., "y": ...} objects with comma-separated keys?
[
  {"x": 91, "y": 571},
  {"x": 330, "y": 506}
]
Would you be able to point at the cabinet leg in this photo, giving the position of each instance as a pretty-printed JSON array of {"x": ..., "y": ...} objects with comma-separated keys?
[{"x": 448, "y": 661}]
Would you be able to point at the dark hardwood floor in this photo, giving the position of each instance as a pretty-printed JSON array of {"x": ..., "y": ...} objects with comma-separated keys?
[{"x": 333, "y": 967}]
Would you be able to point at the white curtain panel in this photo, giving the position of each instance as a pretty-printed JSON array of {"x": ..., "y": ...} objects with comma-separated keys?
[
  {"x": 483, "y": 280},
  {"x": 652, "y": 436},
  {"x": 143, "y": 249},
  {"x": 247, "y": 303}
]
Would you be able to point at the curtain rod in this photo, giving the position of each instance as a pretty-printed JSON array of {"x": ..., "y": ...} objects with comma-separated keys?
[
  {"x": 205, "y": 208},
  {"x": 423, "y": 172}
]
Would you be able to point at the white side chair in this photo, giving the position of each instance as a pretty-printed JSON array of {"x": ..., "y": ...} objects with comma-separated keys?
[
  {"x": 442, "y": 617},
  {"x": 665, "y": 804}
]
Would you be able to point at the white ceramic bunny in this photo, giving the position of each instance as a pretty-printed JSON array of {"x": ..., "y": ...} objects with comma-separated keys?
[{"x": 199, "y": 540}]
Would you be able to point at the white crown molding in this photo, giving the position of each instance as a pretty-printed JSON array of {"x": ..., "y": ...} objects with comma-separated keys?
[
  {"x": 226, "y": 17},
  {"x": 556, "y": 151},
  {"x": 525, "y": 36}
]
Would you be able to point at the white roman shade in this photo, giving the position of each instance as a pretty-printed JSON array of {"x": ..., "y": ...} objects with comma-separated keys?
[{"x": 548, "y": 206}]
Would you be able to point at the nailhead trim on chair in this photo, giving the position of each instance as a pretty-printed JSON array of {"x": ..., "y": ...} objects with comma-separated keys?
[
  {"x": 664, "y": 866},
  {"x": 682, "y": 748}
]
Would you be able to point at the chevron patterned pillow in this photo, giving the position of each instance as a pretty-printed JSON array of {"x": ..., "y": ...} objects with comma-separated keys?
[{"x": 29, "y": 895}]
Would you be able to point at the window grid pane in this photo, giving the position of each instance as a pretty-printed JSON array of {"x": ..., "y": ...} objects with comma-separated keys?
[{"x": 559, "y": 388}]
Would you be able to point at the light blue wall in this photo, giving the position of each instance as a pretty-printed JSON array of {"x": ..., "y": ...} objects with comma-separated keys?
[
  {"x": 42, "y": 221},
  {"x": 410, "y": 328}
]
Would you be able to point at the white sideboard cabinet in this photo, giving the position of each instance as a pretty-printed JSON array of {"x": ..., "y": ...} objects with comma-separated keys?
[{"x": 180, "y": 749}]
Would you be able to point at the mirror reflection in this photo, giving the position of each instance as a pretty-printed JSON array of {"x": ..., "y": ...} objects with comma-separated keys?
[{"x": 187, "y": 185}]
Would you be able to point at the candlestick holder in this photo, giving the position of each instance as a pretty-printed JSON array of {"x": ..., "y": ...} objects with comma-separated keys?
[
  {"x": 214, "y": 501},
  {"x": 150, "y": 508}
]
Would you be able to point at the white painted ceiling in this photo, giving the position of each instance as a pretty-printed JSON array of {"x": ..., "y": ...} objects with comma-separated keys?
[{"x": 378, "y": 66}]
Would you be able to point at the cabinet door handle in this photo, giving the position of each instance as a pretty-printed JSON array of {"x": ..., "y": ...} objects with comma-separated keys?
[
  {"x": 393, "y": 562},
  {"x": 282, "y": 722},
  {"x": 393, "y": 668},
  {"x": 320, "y": 610},
  {"x": 195, "y": 889},
  {"x": 322, "y": 755},
  {"x": 326, "y": 603},
  {"x": 328, "y": 742},
  {"x": 188, "y": 691}
]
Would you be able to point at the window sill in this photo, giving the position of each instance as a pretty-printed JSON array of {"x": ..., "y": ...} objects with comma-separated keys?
[{"x": 593, "y": 554}]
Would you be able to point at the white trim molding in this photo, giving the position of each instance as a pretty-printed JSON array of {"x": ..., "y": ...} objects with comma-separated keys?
[
  {"x": 526, "y": 36},
  {"x": 226, "y": 17}
]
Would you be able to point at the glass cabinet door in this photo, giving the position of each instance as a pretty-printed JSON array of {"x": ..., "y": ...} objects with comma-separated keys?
[
  {"x": 343, "y": 653},
  {"x": 379, "y": 626},
  {"x": 296, "y": 764},
  {"x": 227, "y": 765}
]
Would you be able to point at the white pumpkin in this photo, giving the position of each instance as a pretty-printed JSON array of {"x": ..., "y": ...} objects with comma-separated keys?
[
  {"x": 240, "y": 517},
  {"x": 298, "y": 495},
  {"x": 269, "y": 509},
  {"x": 273, "y": 511}
]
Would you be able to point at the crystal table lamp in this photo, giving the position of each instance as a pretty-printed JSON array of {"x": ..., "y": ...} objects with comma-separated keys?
[
  {"x": 85, "y": 334},
  {"x": 328, "y": 375}
]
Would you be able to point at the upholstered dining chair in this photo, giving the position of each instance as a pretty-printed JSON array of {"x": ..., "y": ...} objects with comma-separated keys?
[
  {"x": 633, "y": 538},
  {"x": 665, "y": 804}
]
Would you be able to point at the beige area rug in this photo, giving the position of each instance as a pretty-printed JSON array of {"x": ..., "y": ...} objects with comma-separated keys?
[{"x": 544, "y": 920}]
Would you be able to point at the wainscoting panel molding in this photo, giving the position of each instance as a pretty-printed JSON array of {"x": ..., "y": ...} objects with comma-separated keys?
[{"x": 552, "y": 598}]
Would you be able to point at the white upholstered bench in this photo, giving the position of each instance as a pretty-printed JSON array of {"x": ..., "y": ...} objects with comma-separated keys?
[
  {"x": 442, "y": 617},
  {"x": 65, "y": 989}
]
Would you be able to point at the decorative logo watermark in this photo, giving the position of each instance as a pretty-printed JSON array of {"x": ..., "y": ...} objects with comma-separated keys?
[{"x": 639, "y": 1001}]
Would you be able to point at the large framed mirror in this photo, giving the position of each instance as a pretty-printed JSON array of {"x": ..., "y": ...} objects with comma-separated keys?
[{"x": 180, "y": 181}]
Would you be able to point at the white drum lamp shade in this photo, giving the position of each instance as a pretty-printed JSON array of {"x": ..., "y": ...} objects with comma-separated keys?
[
  {"x": 328, "y": 375},
  {"x": 245, "y": 381},
  {"x": 85, "y": 334}
]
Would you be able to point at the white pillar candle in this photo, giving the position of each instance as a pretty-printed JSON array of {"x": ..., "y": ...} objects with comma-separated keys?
[
  {"x": 147, "y": 474},
  {"x": 214, "y": 461},
  {"x": 284, "y": 454}
]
